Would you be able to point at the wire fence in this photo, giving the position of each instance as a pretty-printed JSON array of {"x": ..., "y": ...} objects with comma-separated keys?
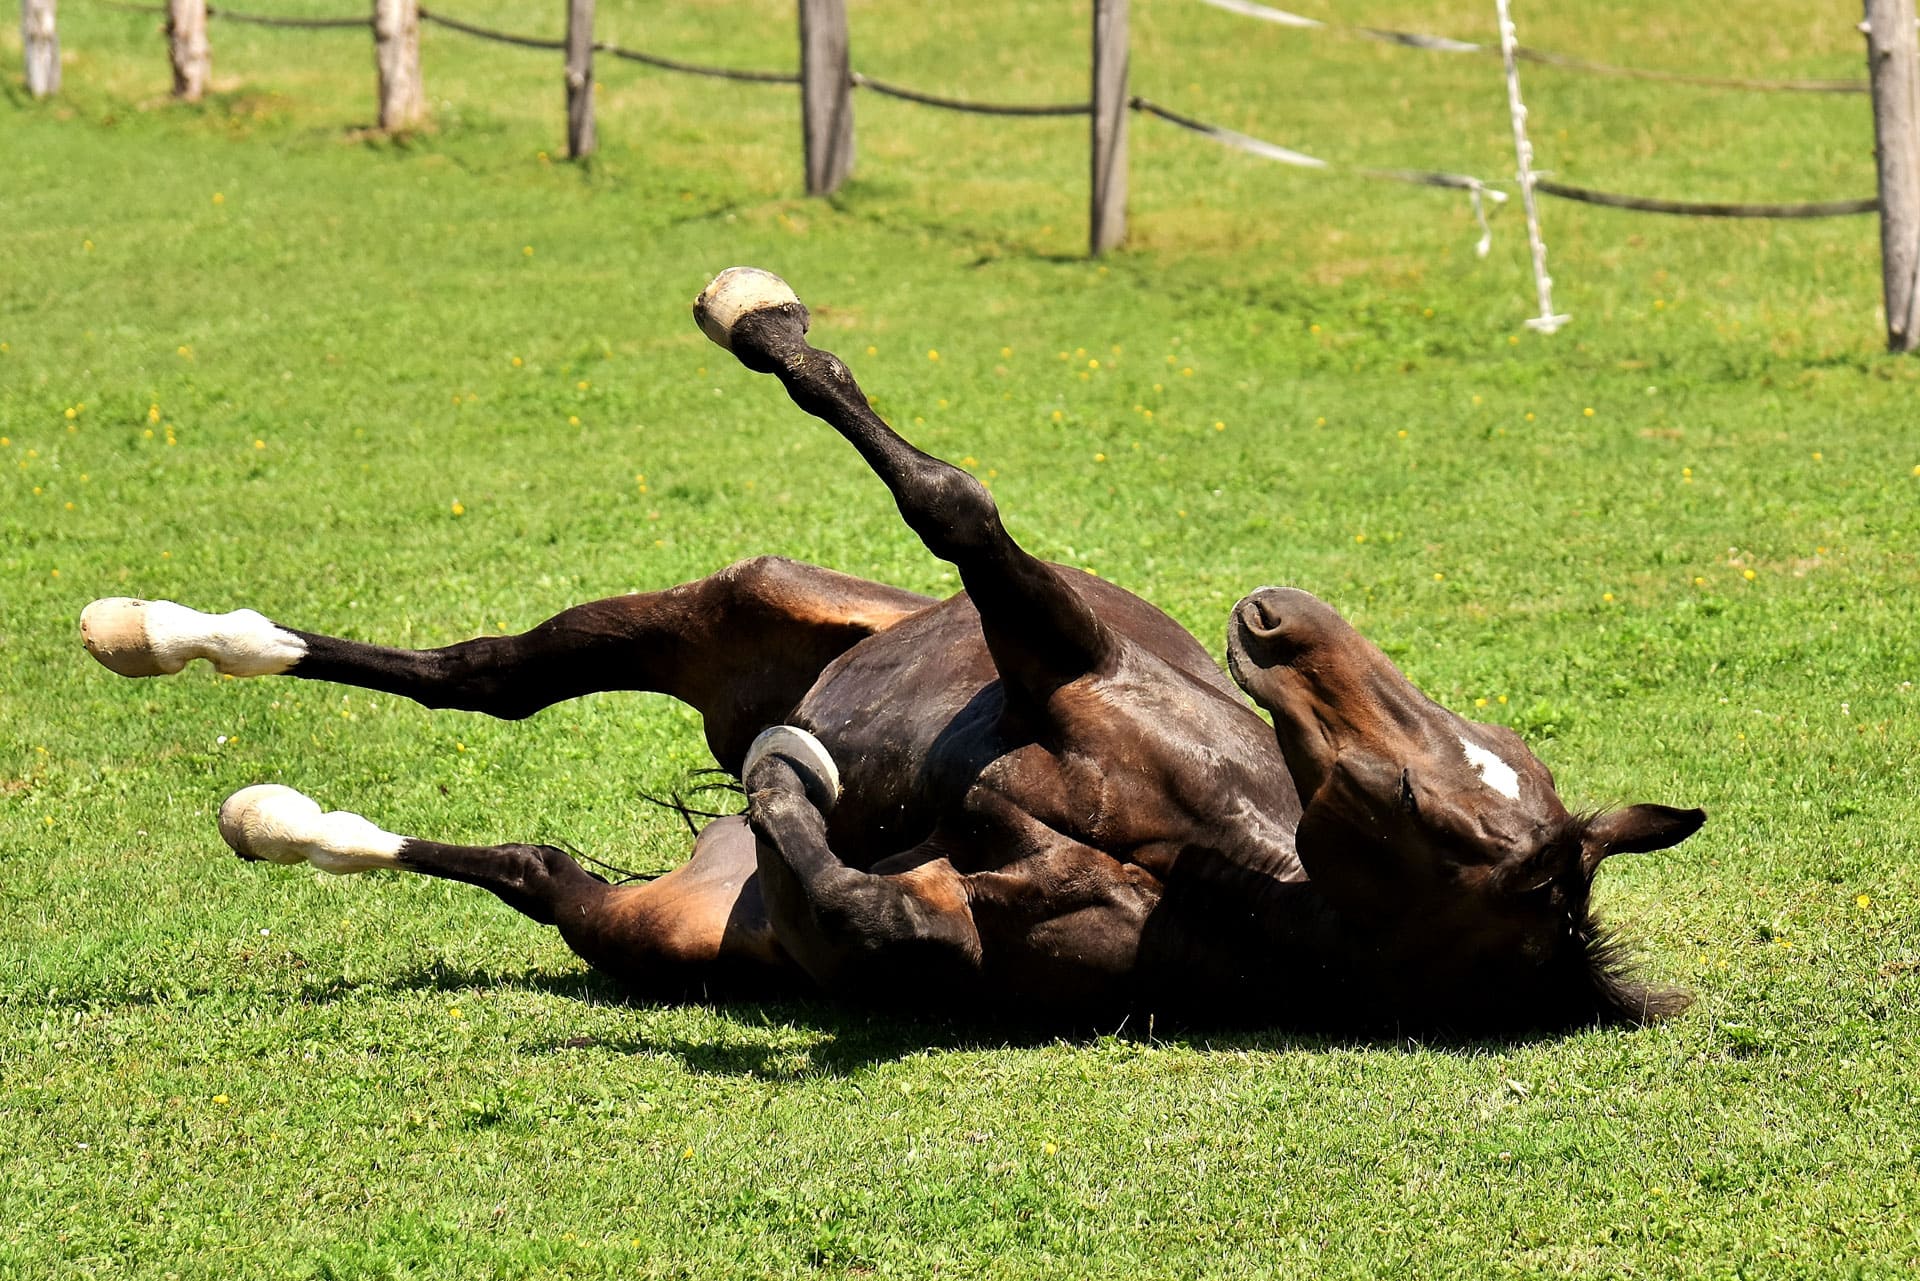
[
  {"x": 1482, "y": 190},
  {"x": 826, "y": 78},
  {"x": 1525, "y": 53}
]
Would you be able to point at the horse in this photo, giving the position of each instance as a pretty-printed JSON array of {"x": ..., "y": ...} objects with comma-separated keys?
[{"x": 1039, "y": 798}]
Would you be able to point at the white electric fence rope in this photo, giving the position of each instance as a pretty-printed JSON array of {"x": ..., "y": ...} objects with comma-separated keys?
[
  {"x": 1546, "y": 57},
  {"x": 1546, "y": 322},
  {"x": 1478, "y": 192},
  {"x": 1280, "y": 17}
]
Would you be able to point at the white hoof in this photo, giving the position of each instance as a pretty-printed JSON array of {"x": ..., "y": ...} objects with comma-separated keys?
[
  {"x": 806, "y": 754},
  {"x": 737, "y": 292},
  {"x": 158, "y": 638},
  {"x": 114, "y": 631},
  {"x": 275, "y": 824}
]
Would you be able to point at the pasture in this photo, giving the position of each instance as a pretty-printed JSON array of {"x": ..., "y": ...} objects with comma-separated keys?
[{"x": 252, "y": 356}]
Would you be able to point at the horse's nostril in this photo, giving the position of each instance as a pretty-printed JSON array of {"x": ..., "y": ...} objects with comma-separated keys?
[{"x": 1263, "y": 616}]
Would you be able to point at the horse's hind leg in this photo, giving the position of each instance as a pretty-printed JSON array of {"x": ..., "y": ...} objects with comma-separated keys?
[
  {"x": 1041, "y": 632},
  {"x": 741, "y": 646},
  {"x": 699, "y": 929}
]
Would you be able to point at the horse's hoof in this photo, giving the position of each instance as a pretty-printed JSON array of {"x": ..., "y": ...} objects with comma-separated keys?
[
  {"x": 114, "y": 631},
  {"x": 274, "y": 824},
  {"x": 808, "y": 756},
  {"x": 268, "y": 823},
  {"x": 158, "y": 638},
  {"x": 738, "y": 292}
]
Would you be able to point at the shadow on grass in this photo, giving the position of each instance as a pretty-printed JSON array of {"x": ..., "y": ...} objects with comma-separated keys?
[
  {"x": 797, "y": 1036},
  {"x": 575, "y": 985}
]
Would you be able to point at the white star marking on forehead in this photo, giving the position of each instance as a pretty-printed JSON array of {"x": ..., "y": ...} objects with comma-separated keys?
[{"x": 1494, "y": 772}]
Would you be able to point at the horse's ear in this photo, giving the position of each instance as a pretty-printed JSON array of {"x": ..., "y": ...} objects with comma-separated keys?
[{"x": 1637, "y": 829}]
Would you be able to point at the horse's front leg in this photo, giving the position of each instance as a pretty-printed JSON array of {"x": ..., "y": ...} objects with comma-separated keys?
[{"x": 890, "y": 937}]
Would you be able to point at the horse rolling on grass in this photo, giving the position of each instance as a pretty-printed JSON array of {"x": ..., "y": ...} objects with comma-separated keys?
[{"x": 1038, "y": 798}]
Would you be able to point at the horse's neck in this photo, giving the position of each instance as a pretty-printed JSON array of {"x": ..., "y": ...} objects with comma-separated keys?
[{"x": 1274, "y": 929}]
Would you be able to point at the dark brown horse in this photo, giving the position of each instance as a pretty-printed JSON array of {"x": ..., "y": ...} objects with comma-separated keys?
[{"x": 1038, "y": 796}]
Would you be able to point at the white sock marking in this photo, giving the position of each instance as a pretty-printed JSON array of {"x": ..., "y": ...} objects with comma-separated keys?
[
  {"x": 279, "y": 825},
  {"x": 1494, "y": 772},
  {"x": 158, "y": 638}
]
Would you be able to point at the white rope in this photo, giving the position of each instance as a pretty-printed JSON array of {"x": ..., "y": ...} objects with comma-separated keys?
[
  {"x": 1477, "y": 191},
  {"x": 1280, "y": 17},
  {"x": 1546, "y": 322},
  {"x": 1247, "y": 9},
  {"x": 1270, "y": 150}
]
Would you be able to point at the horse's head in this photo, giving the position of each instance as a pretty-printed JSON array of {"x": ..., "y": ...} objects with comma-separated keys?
[{"x": 1441, "y": 837}]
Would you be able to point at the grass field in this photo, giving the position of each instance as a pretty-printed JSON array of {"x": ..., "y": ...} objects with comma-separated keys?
[{"x": 251, "y": 356}]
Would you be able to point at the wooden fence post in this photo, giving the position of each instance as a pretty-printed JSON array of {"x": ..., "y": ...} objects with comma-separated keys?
[
  {"x": 188, "y": 48},
  {"x": 396, "y": 53},
  {"x": 1893, "y": 67},
  {"x": 580, "y": 135},
  {"x": 1109, "y": 212},
  {"x": 40, "y": 46},
  {"x": 826, "y": 94}
]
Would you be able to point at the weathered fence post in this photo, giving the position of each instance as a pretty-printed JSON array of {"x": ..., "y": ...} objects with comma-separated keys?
[
  {"x": 396, "y": 53},
  {"x": 40, "y": 46},
  {"x": 580, "y": 137},
  {"x": 1109, "y": 213},
  {"x": 826, "y": 94},
  {"x": 1893, "y": 67},
  {"x": 188, "y": 48}
]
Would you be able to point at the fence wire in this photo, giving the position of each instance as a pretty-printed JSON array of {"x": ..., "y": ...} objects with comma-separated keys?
[
  {"x": 695, "y": 69},
  {"x": 976, "y": 108},
  {"x": 612, "y": 50},
  {"x": 1480, "y": 190},
  {"x": 488, "y": 33},
  {"x": 1465, "y": 182},
  {"x": 1446, "y": 44},
  {"x": 258, "y": 20},
  {"x": 255, "y": 19},
  {"x": 1706, "y": 208},
  {"x": 268, "y": 20}
]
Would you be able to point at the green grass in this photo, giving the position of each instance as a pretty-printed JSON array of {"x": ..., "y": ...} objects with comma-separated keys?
[{"x": 1703, "y": 592}]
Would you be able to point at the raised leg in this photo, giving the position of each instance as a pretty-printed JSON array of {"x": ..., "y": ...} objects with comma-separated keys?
[
  {"x": 741, "y": 646},
  {"x": 1041, "y": 631},
  {"x": 701, "y": 929},
  {"x": 895, "y": 937}
]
